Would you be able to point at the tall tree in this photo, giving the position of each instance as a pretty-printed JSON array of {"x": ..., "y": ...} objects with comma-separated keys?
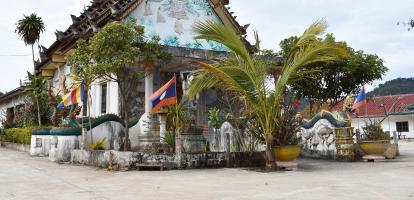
[
  {"x": 83, "y": 70},
  {"x": 246, "y": 75},
  {"x": 119, "y": 52},
  {"x": 29, "y": 29},
  {"x": 332, "y": 81},
  {"x": 36, "y": 87}
]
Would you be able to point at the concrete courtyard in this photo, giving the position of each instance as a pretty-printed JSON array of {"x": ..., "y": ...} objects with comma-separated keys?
[{"x": 25, "y": 177}]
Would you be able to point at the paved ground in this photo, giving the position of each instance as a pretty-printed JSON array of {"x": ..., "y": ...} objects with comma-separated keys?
[{"x": 24, "y": 177}]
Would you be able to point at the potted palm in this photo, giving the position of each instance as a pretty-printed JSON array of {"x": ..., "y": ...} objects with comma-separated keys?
[
  {"x": 246, "y": 75},
  {"x": 287, "y": 146},
  {"x": 374, "y": 141}
]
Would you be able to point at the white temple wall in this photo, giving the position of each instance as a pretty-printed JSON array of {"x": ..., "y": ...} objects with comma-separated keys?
[{"x": 389, "y": 124}]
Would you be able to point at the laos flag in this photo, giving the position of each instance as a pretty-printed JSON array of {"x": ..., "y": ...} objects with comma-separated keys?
[
  {"x": 166, "y": 95},
  {"x": 360, "y": 100}
]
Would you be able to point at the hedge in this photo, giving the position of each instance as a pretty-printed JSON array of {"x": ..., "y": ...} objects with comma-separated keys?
[{"x": 18, "y": 135}]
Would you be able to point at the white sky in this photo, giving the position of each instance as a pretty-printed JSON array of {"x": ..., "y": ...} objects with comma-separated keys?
[{"x": 368, "y": 25}]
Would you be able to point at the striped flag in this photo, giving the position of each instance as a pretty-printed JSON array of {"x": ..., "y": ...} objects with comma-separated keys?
[
  {"x": 77, "y": 95},
  {"x": 360, "y": 100},
  {"x": 166, "y": 95}
]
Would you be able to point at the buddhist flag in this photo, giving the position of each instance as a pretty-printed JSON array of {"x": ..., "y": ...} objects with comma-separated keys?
[
  {"x": 166, "y": 95},
  {"x": 360, "y": 100},
  {"x": 77, "y": 95}
]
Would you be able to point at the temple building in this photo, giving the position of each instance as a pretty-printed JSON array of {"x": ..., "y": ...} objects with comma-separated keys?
[{"x": 172, "y": 20}]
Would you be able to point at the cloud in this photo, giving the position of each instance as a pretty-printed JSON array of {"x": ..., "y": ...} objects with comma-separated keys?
[{"x": 369, "y": 25}]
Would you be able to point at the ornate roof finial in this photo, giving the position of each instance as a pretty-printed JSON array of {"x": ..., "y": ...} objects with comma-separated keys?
[
  {"x": 74, "y": 19},
  {"x": 59, "y": 35}
]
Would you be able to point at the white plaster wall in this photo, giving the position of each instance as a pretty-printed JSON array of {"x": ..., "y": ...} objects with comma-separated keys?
[
  {"x": 111, "y": 98},
  {"x": 388, "y": 124},
  {"x": 42, "y": 150},
  {"x": 61, "y": 147},
  {"x": 11, "y": 103}
]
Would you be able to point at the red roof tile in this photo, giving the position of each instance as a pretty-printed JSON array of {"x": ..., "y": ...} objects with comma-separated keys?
[{"x": 378, "y": 106}]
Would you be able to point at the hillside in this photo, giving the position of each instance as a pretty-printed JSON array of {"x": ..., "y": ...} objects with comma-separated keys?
[{"x": 392, "y": 87}]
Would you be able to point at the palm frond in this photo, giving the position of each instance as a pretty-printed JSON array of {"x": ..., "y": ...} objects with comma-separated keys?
[
  {"x": 210, "y": 30},
  {"x": 29, "y": 28}
]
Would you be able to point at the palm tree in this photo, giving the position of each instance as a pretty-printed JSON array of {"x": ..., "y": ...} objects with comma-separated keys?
[
  {"x": 247, "y": 75},
  {"x": 29, "y": 29},
  {"x": 35, "y": 86}
]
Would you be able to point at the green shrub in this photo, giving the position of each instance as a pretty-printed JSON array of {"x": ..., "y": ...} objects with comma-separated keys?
[
  {"x": 18, "y": 135},
  {"x": 98, "y": 145},
  {"x": 169, "y": 139},
  {"x": 373, "y": 131}
]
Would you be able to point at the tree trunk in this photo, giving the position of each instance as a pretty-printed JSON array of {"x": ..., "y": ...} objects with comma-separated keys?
[
  {"x": 38, "y": 113},
  {"x": 88, "y": 102},
  {"x": 34, "y": 63},
  {"x": 125, "y": 115},
  {"x": 270, "y": 156}
]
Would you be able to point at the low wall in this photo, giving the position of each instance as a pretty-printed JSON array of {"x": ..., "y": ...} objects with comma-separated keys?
[
  {"x": 61, "y": 147},
  {"x": 17, "y": 147},
  {"x": 119, "y": 159},
  {"x": 40, "y": 145}
]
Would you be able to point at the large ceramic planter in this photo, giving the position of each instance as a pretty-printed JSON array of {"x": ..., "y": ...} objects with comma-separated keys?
[
  {"x": 377, "y": 147},
  {"x": 287, "y": 153}
]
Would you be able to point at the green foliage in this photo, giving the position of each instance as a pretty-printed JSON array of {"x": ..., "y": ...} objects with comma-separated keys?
[
  {"x": 177, "y": 118},
  {"x": 169, "y": 139},
  {"x": 214, "y": 118},
  {"x": 82, "y": 66},
  {"x": 246, "y": 75},
  {"x": 29, "y": 28},
  {"x": 18, "y": 135},
  {"x": 394, "y": 87},
  {"x": 334, "y": 80},
  {"x": 286, "y": 133},
  {"x": 98, "y": 145},
  {"x": 119, "y": 53},
  {"x": 35, "y": 86},
  {"x": 373, "y": 131}
]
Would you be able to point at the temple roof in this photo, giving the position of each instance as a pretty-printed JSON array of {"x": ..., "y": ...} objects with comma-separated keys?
[
  {"x": 101, "y": 12},
  {"x": 11, "y": 94},
  {"x": 380, "y": 105}
]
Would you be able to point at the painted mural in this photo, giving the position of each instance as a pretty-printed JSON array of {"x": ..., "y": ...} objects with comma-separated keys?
[{"x": 173, "y": 20}]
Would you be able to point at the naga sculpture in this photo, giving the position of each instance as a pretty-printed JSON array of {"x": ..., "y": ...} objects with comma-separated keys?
[{"x": 318, "y": 134}]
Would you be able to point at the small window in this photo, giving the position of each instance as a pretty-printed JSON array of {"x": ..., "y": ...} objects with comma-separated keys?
[
  {"x": 402, "y": 127},
  {"x": 103, "y": 98}
]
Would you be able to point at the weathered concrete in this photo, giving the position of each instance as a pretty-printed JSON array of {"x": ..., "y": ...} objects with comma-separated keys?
[
  {"x": 127, "y": 160},
  {"x": 25, "y": 177},
  {"x": 40, "y": 145},
  {"x": 17, "y": 147},
  {"x": 61, "y": 147}
]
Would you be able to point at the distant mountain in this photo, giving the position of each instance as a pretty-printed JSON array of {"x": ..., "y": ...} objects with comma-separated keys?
[{"x": 393, "y": 87}]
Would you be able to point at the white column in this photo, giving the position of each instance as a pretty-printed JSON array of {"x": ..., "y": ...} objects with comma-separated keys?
[{"x": 149, "y": 84}]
